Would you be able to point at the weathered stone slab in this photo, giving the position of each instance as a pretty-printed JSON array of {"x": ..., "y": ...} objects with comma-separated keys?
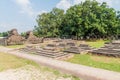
[
  {"x": 73, "y": 50},
  {"x": 61, "y": 45},
  {"x": 50, "y": 47},
  {"x": 111, "y": 49},
  {"x": 71, "y": 44}
]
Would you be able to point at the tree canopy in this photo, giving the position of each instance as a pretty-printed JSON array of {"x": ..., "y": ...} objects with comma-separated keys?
[
  {"x": 87, "y": 19},
  {"x": 3, "y": 34}
]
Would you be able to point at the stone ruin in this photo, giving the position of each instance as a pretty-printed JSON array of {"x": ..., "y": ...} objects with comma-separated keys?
[
  {"x": 109, "y": 49},
  {"x": 3, "y": 41},
  {"x": 31, "y": 38},
  {"x": 14, "y": 38}
]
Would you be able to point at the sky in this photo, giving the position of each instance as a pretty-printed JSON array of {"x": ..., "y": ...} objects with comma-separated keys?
[{"x": 22, "y": 14}]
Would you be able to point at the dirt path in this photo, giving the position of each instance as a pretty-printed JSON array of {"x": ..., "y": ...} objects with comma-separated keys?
[
  {"x": 29, "y": 72},
  {"x": 84, "y": 72}
]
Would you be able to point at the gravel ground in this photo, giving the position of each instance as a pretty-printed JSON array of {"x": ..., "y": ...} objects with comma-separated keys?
[{"x": 29, "y": 73}]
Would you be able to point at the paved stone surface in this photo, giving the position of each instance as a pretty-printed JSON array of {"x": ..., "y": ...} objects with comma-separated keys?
[{"x": 84, "y": 72}]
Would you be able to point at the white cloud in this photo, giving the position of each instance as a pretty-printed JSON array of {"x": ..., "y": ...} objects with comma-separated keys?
[
  {"x": 78, "y": 1},
  {"x": 25, "y": 6},
  {"x": 19, "y": 26},
  {"x": 6, "y": 26},
  {"x": 39, "y": 13},
  {"x": 109, "y": 2},
  {"x": 64, "y": 4}
]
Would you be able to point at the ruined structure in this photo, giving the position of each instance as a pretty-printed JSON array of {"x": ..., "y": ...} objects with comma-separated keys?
[
  {"x": 31, "y": 38},
  {"x": 3, "y": 41},
  {"x": 109, "y": 49},
  {"x": 14, "y": 38}
]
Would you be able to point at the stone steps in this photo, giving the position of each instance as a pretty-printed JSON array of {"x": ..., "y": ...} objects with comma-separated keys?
[
  {"x": 110, "y": 49},
  {"x": 81, "y": 49},
  {"x": 52, "y": 54},
  {"x": 107, "y": 52},
  {"x": 47, "y": 53}
]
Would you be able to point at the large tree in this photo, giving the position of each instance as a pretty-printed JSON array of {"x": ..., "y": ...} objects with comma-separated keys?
[
  {"x": 87, "y": 19},
  {"x": 49, "y": 23}
]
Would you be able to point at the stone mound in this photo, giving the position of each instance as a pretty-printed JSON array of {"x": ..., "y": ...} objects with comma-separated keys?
[
  {"x": 14, "y": 38},
  {"x": 31, "y": 38}
]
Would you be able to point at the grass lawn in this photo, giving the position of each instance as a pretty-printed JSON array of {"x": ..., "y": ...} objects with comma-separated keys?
[
  {"x": 8, "y": 61},
  {"x": 108, "y": 63},
  {"x": 97, "y": 43},
  {"x": 104, "y": 62},
  {"x": 16, "y": 46}
]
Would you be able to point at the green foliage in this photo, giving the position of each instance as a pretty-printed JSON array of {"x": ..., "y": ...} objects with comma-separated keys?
[
  {"x": 87, "y": 19},
  {"x": 23, "y": 34},
  {"x": 49, "y": 23},
  {"x": 3, "y": 34}
]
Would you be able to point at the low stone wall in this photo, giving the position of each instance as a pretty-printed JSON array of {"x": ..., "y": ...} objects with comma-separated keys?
[{"x": 3, "y": 42}]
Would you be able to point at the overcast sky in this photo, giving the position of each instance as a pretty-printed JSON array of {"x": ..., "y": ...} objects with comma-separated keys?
[{"x": 21, "y": 14}]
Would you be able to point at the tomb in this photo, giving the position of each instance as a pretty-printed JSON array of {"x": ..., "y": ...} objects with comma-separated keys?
[
  {"x": 70, "y": 44},
  {"x": 14, "y": 38},
  {"x": 82, "y": 49},
  {"x": 72, "y": 50},
  {"x": 110, "y": 49},
  {"x": 85, "y": 47},
  {"x": 61, "y": 45},
  {"x": 31, "y": 38},
  {"x": 50, "y": 47},
  {"x": 47, "y": 52}
]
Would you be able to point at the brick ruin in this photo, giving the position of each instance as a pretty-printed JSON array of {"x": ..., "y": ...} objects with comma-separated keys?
[
  {"x": 14, "y": 38},
  {"x": 31, "y": 38}
]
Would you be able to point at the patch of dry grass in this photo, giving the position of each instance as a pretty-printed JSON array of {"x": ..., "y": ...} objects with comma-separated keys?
[
  {"x": 96, "y": 44},
  {"x": 105, "y": 59},
  {"x": 8, "y": 61},
  {"x": 16, "y": 46},
  {"x": 104, "y": 62}
]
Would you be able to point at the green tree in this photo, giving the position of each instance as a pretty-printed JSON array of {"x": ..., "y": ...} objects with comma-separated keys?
[
  {"x": 87, "y": 19},
  {"x": 49, "y": 23},
  {"x": 3, "y": 34}
]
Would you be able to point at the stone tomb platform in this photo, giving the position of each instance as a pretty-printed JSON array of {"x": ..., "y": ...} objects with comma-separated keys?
[
  {"x": 110, "y": 49},
  {"x": 82, "y": 48},
  {"x": 48, "y": 51}
]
